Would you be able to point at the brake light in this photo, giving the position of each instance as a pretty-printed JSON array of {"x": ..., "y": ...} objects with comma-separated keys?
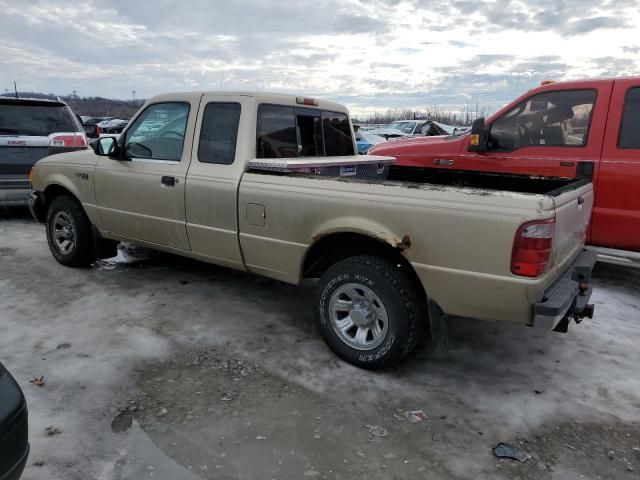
[
  {"x": 532, "y": 248},
  {"x": 306, "y": 101},
  {"x": 68, "y": 140},
  {"x": 98, "y": 131}
]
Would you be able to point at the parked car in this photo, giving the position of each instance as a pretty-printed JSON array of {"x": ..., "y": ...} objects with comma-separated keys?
[
  {"x": 576, "y": 129},
  {"x": 31, "y": 129},
  {"x": 365, "y": 140},
  {"x": 113, "y": 125},
  {"x": 91, "y": 126},
  {"x": 417, "y": 128},
  {"x": 14, "y": 431},
  {"x": 240, "y": 181}
]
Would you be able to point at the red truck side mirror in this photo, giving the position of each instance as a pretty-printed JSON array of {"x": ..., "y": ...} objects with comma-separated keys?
[{"x": 478, "y": 142}]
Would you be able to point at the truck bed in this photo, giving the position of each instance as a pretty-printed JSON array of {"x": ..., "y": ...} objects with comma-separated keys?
[
  {"x": 428, "y": 178},
  {"x": 552, "y": 186}
]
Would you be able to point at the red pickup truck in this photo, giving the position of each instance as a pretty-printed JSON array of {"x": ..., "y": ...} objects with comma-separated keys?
[{"x": 571, "y": 129}]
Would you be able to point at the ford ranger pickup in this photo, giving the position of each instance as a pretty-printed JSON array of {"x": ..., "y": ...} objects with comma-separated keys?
[{"x": 272, "y": 184}]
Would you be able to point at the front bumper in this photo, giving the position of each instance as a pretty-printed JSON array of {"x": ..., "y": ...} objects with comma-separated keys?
[
  {"x": 14, "y": 434},
  {"x": 36, "y": 205},
  {"x": 568, "y": 296}
]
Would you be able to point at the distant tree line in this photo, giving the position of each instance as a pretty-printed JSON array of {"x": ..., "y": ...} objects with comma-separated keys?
[
  {"x": 90, "y": 106},
  {"x": 436, "y": 113}
]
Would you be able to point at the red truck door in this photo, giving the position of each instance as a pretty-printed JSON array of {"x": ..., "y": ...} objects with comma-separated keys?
[
  {"x": 545, "y": 132},
  {"x": 616, "y": 215}
]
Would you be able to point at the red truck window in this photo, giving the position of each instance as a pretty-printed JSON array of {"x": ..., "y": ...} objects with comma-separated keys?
[
  {"x": 559, "y": 118},
  {"x": 630, "y": 126}
]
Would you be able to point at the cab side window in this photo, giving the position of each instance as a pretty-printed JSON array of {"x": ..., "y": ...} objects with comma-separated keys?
[
  {"x": 559, "y": 119},
  {"x": 630, "y": 126},
  {"x": 218, "y": 133},
  {"x": 158, "y": 133}
]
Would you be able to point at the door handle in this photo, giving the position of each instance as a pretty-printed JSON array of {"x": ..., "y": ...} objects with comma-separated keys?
[
  {"x": 443, "y": 162},
  {"x": 168, "y": 181}
]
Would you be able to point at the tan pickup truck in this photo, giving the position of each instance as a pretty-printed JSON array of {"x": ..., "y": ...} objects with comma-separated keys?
[{"x": 271, "y": 184}]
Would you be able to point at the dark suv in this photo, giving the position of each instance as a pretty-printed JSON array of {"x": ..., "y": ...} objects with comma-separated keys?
[
  {"x": 14, "y": 432},
  {"x": 31, "y": 129}
]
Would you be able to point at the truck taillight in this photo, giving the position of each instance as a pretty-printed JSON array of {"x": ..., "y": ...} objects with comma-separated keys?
[
  {"x": 68, "y": 140},
  {"x": 532, "y": 248}
]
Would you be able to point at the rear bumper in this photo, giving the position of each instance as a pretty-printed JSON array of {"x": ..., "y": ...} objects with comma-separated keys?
[
  {"x": 13, "y": 197},
  {"x": 14, "y": 444},
  {"x": 568, "y": 296},
  {"x": 13, "y": 190}
]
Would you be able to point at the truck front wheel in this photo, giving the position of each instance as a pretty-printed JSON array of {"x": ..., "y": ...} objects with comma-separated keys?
[
  {"x": 69, "y": 233},
  {"x": 368, "y": 311}
]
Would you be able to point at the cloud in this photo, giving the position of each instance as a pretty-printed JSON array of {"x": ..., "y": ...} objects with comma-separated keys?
[{"x": 371, "y": 54}]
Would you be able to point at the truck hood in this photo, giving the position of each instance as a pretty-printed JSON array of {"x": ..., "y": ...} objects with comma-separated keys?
[{"x": 82, "y": 157}]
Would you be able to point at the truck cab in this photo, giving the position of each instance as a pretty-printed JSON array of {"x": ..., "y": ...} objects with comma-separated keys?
[{"x": 566, "y": 130}]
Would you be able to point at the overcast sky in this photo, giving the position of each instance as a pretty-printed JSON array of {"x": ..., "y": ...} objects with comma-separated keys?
[{"x": 369, "y": 54}]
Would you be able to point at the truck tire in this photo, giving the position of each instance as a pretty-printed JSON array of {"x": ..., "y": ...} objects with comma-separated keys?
[
  {"x": 69, "y": 233},
  {"x": 368, "y": 309}
]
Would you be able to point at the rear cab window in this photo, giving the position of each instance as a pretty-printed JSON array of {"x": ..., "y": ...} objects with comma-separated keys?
[
  {"x": 630, "y": 127},
  {"x": 285, "y": 131},
  {"x": 37, "y": 119}
]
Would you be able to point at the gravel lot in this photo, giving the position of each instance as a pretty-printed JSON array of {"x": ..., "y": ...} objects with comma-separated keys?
[{"x": 172, "y": 369}]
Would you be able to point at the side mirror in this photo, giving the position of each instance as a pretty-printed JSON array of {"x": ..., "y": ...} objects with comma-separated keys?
[
  {"x": 479, "y": 140},
  {"x": 106, "y": 146}
]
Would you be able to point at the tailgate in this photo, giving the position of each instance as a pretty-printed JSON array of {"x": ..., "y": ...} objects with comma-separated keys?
[
  {"x": 573, "y": 211},
  {"x": 19, "y": 153}
]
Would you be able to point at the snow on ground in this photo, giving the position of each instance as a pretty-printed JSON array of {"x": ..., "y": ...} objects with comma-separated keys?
[{"x": 123, "y": 336}]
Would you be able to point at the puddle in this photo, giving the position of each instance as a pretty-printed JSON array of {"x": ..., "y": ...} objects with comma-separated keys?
[{"x": 141, "y": 458}]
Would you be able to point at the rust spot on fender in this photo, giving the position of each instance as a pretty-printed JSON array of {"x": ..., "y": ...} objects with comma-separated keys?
[{"x": 405, "y": 243}]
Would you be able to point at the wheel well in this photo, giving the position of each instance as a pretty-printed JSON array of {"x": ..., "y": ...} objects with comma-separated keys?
[
  {"x": 53, "y": 191},
  {"x": 336, "y": 247}
]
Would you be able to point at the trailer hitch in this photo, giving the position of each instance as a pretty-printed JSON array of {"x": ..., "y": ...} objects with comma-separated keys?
[{"x": 586, "y": 312}]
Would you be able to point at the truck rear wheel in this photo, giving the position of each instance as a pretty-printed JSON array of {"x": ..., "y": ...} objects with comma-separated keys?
[
  {"x": 69, "y": 233},
  {"x": 368, "y": 311}
]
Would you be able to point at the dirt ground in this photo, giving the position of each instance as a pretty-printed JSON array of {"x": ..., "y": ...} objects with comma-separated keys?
[{"x": 172, "y": 369}]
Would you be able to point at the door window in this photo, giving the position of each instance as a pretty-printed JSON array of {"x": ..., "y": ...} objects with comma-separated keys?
[
  {"x": 219, "y": 133},
  {"x": 558, "y": 118},
  {"x": 630, "y": 126},
  {"x": 158, "y": 133}
]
